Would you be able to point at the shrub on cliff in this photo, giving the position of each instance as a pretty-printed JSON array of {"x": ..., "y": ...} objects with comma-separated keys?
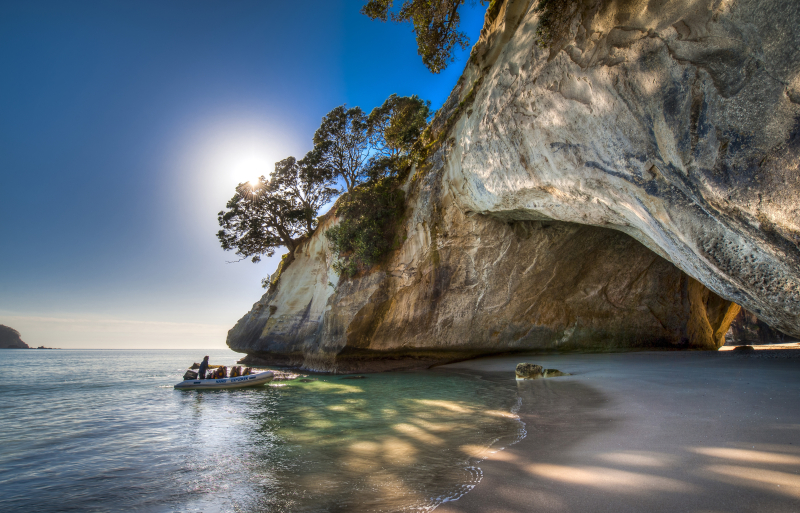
[{"x": 369, "y": 214}]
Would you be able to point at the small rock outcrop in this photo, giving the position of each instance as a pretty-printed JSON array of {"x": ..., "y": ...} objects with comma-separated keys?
[
  {"x": 533, "y": 371},
  {"x": 10, "y": 339},
  {"x": 529, "y": 371}
]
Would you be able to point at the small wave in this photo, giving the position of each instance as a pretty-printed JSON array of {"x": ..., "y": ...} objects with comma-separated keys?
[{"x": 476, "y": 472}]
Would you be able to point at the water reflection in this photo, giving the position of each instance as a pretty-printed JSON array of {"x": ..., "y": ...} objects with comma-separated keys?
[{"x": 392, "y": 442}]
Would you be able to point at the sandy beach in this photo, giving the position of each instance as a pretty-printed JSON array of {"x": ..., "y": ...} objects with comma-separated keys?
[{"x": 650, "y": 431}]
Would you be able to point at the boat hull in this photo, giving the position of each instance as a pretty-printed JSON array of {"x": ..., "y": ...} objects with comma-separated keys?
[{"x": 225, "y": 383}]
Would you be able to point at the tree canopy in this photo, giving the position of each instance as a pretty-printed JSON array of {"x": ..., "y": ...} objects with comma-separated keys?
[
  {"x": 350, "y": 145},
  {"x": 264, "y": 216},
  {"x": 436, "y": 26},
  {"x": 395, "y": 126},
  {"x": 341, "y": 145},
  {"x": 306, "y": 183}
]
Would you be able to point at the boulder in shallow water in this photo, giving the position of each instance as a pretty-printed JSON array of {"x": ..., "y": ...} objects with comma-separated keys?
[
  {"x": 529, "y": 371},
  {"x": 554, "y": 373},
  {"x": 190, "y": 374},
  {"x": 744, "y": 349}
]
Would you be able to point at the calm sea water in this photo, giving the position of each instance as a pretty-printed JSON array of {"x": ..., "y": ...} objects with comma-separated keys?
[{"x": 105, "y": 431}]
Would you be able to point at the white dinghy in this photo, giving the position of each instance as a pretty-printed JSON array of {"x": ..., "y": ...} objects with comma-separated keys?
[{"x": 237, "y": 382}]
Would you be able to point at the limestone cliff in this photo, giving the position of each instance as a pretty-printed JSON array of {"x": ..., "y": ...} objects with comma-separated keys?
[{"x": 676, "y": 123}]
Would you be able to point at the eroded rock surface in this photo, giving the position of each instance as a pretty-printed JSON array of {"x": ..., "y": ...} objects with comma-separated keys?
[{"x": 675, "y": 122}]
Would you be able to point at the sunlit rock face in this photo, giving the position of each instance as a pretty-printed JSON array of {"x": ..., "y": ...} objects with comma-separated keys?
[{"x": 676, "y": 123}]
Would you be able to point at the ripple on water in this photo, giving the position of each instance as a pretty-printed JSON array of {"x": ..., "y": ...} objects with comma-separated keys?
[{"x": 389, "y": 442}]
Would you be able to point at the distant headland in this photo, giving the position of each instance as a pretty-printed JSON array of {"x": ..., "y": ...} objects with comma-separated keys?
[{"x": 10, "y": 339}]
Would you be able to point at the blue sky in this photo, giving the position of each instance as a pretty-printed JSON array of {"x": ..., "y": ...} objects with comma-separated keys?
[{"x": 124, "y": 127}]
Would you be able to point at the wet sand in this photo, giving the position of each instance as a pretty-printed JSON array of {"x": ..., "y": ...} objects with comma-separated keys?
[{"x": 654, "y": 431}]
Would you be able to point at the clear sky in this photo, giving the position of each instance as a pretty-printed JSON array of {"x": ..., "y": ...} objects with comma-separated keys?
[{"x": 124, "y": 127}]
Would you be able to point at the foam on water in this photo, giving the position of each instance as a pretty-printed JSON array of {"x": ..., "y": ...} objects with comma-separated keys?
[{"x": 105, "y": 431}]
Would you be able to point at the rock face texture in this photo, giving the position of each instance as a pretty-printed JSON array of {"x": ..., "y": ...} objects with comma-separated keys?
[
  {"x": 676, "y": 123},
  {"x": 9, "y": 339},
  {"x": 747, "y": 329}
]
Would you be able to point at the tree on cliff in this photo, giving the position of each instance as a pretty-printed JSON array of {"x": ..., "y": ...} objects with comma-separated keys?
[
  {"x": 435, "y": 22},
  {"x": 264, "y": 216},
  {"x": 393, "y": 128},
  {"x": 307, "y": 184},
  {"x": 341, "y": 145}
]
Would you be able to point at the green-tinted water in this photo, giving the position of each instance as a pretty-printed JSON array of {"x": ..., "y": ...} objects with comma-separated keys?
[{"x": 390, "y": 442}]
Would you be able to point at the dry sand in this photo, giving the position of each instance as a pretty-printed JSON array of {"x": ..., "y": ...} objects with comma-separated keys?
[{"x": 665, "y": 431}]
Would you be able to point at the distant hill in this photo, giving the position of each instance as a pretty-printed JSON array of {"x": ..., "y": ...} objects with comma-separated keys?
[{"x": 9, "y": 339}]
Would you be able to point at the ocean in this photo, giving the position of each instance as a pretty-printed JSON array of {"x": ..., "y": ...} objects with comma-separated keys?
[{"x": 104, "y": 430}]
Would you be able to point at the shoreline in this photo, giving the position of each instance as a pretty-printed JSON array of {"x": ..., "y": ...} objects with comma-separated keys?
[{"x": 649, "y": 431}]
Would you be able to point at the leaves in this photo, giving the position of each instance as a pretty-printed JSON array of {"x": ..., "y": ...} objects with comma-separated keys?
[
  {"x": 341, "y": 145},
  {"x": 435, "y": 22},
  {"x": 258, "y": 220},
  {"x": 265, "y": 216},
  {"x": 369, "y": 217}
]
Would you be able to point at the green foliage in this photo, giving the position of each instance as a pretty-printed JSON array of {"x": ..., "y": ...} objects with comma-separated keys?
[
  {"x": 369, "y": 214},
  {"x": 428, "y": 141},
  {"x": 393, "y": 129},
  {"x": 272, "y": 281},
  {"x": 307, "y": 184},
  {"x": 258, "y": 221},
  {"x": 436, "y": 24},
  {"x": 375, "y": 149},
  {"x": 341, "y": 145},
  {"x": 269, "y": 214}
]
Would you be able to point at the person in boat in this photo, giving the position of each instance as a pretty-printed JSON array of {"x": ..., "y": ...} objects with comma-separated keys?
[{"x": 201, "y": 372}]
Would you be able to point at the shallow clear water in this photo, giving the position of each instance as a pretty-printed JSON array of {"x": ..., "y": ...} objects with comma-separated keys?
[{"x": 105, "y": 431}]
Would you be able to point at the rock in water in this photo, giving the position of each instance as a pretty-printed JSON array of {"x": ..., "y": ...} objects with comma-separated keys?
[
  {"x": 529, "y": 371},
  {"x": 554, "y": 373},
  {"x": 190, "y": 374},
  {"x": 10, "y": 339}
]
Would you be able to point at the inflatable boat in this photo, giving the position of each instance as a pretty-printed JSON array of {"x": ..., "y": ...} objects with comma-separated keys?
[{"x": 237, "y": 382}]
